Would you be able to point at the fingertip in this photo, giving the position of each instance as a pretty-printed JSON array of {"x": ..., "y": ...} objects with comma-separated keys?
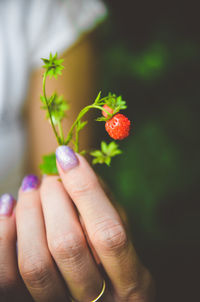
[
  {"x": 29, "y": 183},
  {"x": 66, "y": 158},
  {"x": 7, "y": 204}
]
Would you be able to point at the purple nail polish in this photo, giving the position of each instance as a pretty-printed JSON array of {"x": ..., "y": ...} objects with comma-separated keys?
[
  {"x": 6, "y": 204},
  {"x": 30, "y": 182},
  {"x": 66, "y": 157}
]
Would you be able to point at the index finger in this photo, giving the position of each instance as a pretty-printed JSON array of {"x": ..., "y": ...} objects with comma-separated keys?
[{"x": 102, "y": 222}]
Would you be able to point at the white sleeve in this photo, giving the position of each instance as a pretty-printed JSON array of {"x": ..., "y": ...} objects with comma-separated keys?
[{"x": 54, "y": 25}]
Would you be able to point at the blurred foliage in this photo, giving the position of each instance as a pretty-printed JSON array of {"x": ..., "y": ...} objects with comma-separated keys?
[{"x": 151, "y": 57}]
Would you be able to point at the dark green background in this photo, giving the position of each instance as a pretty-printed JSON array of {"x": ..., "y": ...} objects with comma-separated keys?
[{"x": 150, "y": 54}]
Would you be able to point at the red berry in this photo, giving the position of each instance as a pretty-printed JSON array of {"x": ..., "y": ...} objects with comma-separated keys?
[
  {"x": 118, "y": 126},
  {"x": 110, "y": 110}
]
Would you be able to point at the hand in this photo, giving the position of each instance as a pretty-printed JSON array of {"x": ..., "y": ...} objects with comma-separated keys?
[
  {"x": 58, "y": 256},
  {"x": 12, "y": 287}
]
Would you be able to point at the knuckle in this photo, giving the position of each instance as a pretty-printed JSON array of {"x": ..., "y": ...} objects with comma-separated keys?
[
  {"x": 142, "y": 289},
  {"x": 110, "y": 236},
  {"x": 35, "y": 271},
  {"x": 68, "y": 247}
]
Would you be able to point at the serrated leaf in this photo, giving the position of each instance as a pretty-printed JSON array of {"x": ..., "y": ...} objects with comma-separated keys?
[
  {"x": 42, "y": 98},
  {"x": 48, "y": 165},
  {"x": 96, "y": 153},
  {"x": 104, "y": 147},
  {"x": 116, "y": 152},
  {"x": 112, "y": 146},
  {"x": 95, "y": 161},
  {"x": 107, "y": 161}
]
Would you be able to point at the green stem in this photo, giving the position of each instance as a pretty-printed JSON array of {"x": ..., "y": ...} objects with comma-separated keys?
[
  {"x": 77, "y": 142},
  {"x": 61, "y": 132},
  {"x": 45, "y": 97},
  {"x": 80, "y": 115}
]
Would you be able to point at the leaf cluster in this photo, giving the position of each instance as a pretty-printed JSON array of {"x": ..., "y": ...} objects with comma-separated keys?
[
  {"x": 107, "y": 152},
  {"x": 113, "y": 101},
  {"x": 56, "y": 107},
  {"x": 53, "y": 66}
]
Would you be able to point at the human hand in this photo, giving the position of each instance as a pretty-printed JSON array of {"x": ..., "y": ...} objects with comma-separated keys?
[
  {"x": 58, "y": 254},
  {"x": 12, "y": 288}
]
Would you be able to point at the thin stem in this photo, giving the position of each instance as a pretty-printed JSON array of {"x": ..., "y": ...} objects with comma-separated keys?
[
  {"x": 45, "y": 97},
  {"x": 61, "y": 132},
  {"x": 80, "y": 115},
  {"x": 77, "y": 142}
]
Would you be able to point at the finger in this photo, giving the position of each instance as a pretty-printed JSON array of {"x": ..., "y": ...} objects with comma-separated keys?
[
  {"x": 10, "y": 283},
  {"x": 102, "y": 221},
  {"x": 35, "y": 262},
  {"x": 67, "y": 242}
]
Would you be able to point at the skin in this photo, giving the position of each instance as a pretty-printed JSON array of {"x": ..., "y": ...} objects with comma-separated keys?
[{"x": 54, "y": 256}]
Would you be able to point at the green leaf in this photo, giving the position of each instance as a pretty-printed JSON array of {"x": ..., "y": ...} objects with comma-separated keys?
[
  {"x": 116, "y": 152},
  {"x": 95, "y": 161},
  {"x": 104, "y": 147},
  {"x": 48, "y": 165},
  {"x": 108, "y": 161},
  {"x": 42, "y": 98},
  {"x": 96, "y": 153},
  {"x": 107, "y": 152}
]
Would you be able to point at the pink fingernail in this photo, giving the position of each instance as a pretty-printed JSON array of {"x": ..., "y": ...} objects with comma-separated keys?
[{"x": 6, "y": 204}]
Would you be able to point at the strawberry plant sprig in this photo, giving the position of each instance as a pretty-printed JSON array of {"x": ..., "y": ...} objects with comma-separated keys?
[
  {"x": 117, "y": 125},
  {"x": 55, "y": 106}
]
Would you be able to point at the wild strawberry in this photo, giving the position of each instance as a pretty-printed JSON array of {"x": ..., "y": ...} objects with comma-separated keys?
[
  {"x": 118, "y": 126},
  {"x": 110, "y": 110}
]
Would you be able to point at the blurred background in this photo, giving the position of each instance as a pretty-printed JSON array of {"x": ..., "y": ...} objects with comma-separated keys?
[{"x": 150, "y": 54}]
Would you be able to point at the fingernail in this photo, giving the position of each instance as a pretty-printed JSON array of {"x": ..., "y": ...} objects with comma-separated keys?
[
  {"x": 6, "y": 204},
  {"x": 30, "y": 182},
  {"x": 66, "y": 158}
]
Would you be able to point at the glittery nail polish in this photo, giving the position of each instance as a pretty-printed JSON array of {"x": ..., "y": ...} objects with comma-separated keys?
[
  {"x": 30, "y": 182},
  {"x": 66, "y": 158},
  {"x": 6, "y": 204}
]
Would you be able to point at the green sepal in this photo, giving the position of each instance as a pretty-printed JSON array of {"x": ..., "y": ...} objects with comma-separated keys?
[
  {"x": 53, "y": 66},
  {"x": 115, "y": 102},
  {"x": 48, "y": 165},
  {"x": 96, "y": 102},
  {"x": 101, "y": 119}
]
